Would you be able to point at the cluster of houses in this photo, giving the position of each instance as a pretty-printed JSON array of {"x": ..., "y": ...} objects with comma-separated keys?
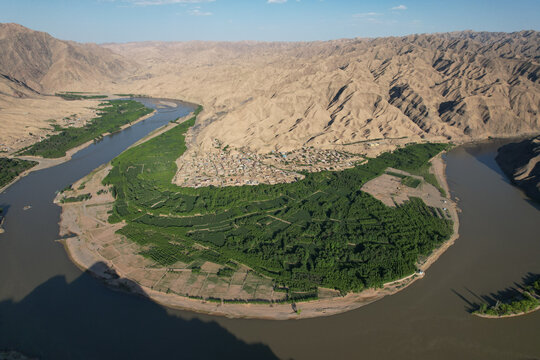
[
  {"x": 236, "y": 167},
  {"x": 311, "y": 159},
  {"x": 228, "y": 169}
]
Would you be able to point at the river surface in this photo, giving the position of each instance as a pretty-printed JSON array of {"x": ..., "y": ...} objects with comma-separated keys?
[{"x": 52, "y": 310}]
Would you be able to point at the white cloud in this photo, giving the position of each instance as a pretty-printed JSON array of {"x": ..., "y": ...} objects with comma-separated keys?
[
  {"x": 162, "y": 2},
  {"x": 198, "y": 12},
  {"x": 399, "y": 7},
  {"x": 276, "y": 1},
  {"x": 367, "y": 14}
]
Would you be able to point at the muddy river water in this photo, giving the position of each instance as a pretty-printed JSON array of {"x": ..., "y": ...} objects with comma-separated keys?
[{"x": 51, "y": 310}]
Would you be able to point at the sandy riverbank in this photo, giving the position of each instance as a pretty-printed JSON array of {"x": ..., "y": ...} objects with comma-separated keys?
[
  {"x": 91, "y": 250},
  {"x": 438, "y": 168},
  {"x": 44, "y": 163}
]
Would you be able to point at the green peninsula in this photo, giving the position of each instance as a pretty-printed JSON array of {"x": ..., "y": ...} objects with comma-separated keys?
[{"x": 322, "y": 231}]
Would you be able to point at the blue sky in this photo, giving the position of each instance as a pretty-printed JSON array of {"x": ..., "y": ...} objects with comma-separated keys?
[{"x": 281, "y": 20}]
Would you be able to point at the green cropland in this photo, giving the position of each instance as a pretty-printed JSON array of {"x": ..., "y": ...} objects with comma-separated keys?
[
  {"x": 74, "y": 95},
  {"x": 112, "y": 116},
  {"x": 322, "y": 231}
]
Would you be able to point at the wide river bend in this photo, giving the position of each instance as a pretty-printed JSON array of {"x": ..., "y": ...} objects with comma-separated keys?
[{"x": 52, "y": 310}]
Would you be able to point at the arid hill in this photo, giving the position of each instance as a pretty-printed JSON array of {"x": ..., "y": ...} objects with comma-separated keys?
[
  {"x": 521, "y": 163},
  {"x": 456, "y": 86},
  {"x": 283, "y": 96},
  {"x": 26, "y": 115},
  {"x": 43, "y": 63},
  {"x": 34, "y": 63}
]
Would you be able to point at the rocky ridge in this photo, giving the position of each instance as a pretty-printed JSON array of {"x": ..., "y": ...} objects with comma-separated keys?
[
  {"x": 337, "y": 95},
  {"x": 520, "y": 161}
]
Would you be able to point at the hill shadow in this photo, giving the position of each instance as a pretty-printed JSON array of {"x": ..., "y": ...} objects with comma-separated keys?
[
  {"x": 86, "y": 320},
  {"x": 473, "y": 300},
  {"x": 484, "y": 155},
  {"x": 4, "y": 208}
]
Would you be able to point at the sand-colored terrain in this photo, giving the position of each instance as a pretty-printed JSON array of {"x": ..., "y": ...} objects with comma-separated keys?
[
  {"x": 34, "y": 64},
  {"x": 331, "y": 95},
  {"x": 282, "y": 96},
  {"x": 45, "y": 64},
  {"x": 43, "y": 163},
  {"x": 390, "y": 190},
  {"x": 26, "y": 121}
]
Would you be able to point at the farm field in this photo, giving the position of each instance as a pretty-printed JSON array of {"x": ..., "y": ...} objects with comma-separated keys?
[
  {"x": 73, "y": 95},
  {"x": 112, "y": 115},
  {"x": 322, "y": 231}
]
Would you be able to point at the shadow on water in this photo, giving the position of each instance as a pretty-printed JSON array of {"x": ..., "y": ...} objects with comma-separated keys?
[
  {"x": 4, "y": 208},
  {"x": 533, "y": 203},
  {"x": 104, "y": 325},
  {"x": 473, "y": 300},
  {"x": 485, "y": 155},
  {"x": 82, "y": 319}
]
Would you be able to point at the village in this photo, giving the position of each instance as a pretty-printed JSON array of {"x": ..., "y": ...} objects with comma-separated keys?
[
  {"x": 235, "y": 167},
  {"x": 311, "y": 160}
]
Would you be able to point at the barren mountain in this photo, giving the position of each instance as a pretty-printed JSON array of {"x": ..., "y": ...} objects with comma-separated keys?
[
  {"x": 26, "y": 116},
  {"x": 265, "y": 96},
  {"x": 33, "y": 63},
  {"x": 44, "y": 63},
  {"x": 334, "y": 94},
  {"x": 521, "y": 163}
]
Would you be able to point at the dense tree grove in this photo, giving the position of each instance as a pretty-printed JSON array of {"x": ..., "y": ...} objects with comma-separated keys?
[
  {"x": 527, "y": 301},
  {"x": 322, "y": 231},
  {"x": 11, "y": 168},
  {"x": 112, "y": 115}
]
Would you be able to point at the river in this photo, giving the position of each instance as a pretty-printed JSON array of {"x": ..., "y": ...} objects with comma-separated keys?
[{"x": 52, "y": 310}]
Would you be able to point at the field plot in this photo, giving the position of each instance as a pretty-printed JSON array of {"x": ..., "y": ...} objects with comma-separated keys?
[
  {"x": 112, "y": 115},
  {"x": 320, "y": 232},
  {"x": 73, "y": 95},
  {"x": 396, "y": 187}
]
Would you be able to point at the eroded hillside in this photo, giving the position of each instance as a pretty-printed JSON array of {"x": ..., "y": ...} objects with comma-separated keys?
[
  {"x": 46, "y": 64},
  {"x": 33, "y": 64},
  {"x": 332, "y": 95},
  {"x": 520, "y": 161},
  {"x": 282, "y": 96}
]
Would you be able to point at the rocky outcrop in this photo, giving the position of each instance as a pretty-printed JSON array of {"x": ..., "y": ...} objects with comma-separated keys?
[{"x": 521, "y": 163}]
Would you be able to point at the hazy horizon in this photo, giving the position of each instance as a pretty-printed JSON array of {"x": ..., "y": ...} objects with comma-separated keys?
[{"x": 121, "y": 21}]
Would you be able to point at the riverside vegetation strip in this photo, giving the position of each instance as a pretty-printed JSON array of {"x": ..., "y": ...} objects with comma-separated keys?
[
  {"x": 322, "y": 231},
  {"x": 11, "y": 168},
  {"x": 527, "y": 301},
  {"x": 72, "y": 95},
  {"x": 113, "y": 115}
]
